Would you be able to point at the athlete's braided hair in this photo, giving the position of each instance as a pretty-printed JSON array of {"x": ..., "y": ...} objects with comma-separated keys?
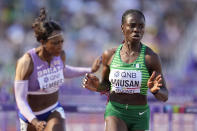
[
  {"x": 131, "y": 11},
  {"x": 43, "y": 28}
]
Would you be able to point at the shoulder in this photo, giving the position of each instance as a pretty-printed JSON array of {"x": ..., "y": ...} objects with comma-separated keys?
[
  {"x": 152, "y": 60},
  {"x": 24, "y": 67},
  {"x": 150, "y": 54},
  {"x": 25, "y": 59},
  {"x": 108, "y": 54}
]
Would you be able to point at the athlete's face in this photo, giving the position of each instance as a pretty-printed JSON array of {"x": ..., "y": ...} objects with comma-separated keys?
[
  {"x": 54, "y": 45},
  {"x": 133, "y": 28}
]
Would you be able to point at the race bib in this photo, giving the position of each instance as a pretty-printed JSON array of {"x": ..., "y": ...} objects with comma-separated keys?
[
  {"x": 50, "y": 79},
  {"x": 125, "y": 81}
]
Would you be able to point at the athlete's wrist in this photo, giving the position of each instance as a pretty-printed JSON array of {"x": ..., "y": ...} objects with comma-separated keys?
[
  {"x": 155, "y": 92},
  {"x": 34, "y": 121},
  {"x": 102, "y": 87},
  {"x": 39, "y": 125}
]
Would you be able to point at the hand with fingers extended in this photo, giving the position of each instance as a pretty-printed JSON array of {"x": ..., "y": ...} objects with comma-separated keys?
[
  {"x": 90, "y": 82},
  {"x": 155, "y": 82},
  {"x": 39, "y": 125},
  {"x": 96, "y": 64}
]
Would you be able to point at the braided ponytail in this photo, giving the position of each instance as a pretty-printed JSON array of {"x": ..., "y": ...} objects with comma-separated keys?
[{"x": 42, "y": 27}]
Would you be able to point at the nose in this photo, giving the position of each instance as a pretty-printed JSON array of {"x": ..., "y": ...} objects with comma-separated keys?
[
  {"x": 60, "y": 45},
  {"x": 136, "y": 29}
]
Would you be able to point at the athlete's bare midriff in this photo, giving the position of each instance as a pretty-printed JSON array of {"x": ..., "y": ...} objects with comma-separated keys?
[
  {"x": 131, "y": 99},
  {"x": 41, "y": 102}
]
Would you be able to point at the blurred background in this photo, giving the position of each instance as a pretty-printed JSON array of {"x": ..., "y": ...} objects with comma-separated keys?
[{"x": 90, "y": 27}]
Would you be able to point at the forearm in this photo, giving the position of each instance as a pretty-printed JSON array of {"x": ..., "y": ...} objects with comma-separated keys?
[
  {"x": 20, "y": 89},
  {"x": 161, "y": 95},
  {"x": 70, "y": 71}
]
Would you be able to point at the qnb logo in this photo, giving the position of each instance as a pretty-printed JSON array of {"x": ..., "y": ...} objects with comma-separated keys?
[
  {"x": 53, "y": 77},
  {"x": 46, "y": 79},
  {"x": 129, "y": 74},
  {"x": 116, "y": 74}
]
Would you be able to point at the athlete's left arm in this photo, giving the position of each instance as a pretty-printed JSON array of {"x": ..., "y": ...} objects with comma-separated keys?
[{"x": 156, "y": 82}]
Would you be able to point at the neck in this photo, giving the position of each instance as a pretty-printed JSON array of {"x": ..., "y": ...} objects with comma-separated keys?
[
  {"x": 131, "y": 47},
  {"x": 45, "y": 55}
]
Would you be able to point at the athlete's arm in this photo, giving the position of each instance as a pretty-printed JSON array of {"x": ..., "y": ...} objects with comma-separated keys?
[
  {"x": 156, "y": 83},
  {"x": 71, "y": 71},
  {"x": 107, "y": 58},
  {"x": 92, "y": 83},
  {"x": 24, "y": 68}
]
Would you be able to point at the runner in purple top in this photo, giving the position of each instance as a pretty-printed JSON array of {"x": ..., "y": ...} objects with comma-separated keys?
[{"x": 40, "y": 72}]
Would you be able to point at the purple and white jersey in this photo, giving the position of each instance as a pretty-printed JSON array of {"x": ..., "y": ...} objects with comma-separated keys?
[{"x": 46, "y": 78}]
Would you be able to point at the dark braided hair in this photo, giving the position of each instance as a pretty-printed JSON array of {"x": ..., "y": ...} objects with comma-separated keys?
[
  {"x": 43, "y": 28},
  {"x": 132, "y": 12}
]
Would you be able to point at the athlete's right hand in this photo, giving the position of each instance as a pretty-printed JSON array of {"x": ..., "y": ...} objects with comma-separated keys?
[
  {"x": 39, "y": 125},
  {"x": 90, "y": 82}
]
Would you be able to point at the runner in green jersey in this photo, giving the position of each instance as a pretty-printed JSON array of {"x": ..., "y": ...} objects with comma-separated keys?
[{"x": 128, "y": 72}]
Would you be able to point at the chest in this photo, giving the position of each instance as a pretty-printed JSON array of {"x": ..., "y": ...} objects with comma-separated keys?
[
  {"x": 128, "y": 57},
  {"x": 50, "y": 77}
]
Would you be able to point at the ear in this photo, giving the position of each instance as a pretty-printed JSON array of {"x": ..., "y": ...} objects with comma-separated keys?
[
  {"x": 122, "y": 28},
  {"x": 43, "y": 42}
]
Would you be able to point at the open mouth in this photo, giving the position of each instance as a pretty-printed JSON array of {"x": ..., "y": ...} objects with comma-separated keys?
[{"x": 136, "y": 35}]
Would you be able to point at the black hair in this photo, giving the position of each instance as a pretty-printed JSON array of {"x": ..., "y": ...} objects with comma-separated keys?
[
  {"x": 43, "y": 28},
  {"x": 131, "y": 11}
]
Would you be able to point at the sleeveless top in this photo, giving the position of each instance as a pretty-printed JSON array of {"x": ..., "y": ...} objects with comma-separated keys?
[
  {"x": 129, "y": 78},
  {"x": 45, "y": 78}
]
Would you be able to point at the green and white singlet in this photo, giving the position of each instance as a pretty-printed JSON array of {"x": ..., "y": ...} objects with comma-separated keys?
[{"x": 129, "y": 78}]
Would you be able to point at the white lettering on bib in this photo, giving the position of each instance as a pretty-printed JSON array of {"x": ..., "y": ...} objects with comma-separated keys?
[
  {"x": 50, "y": 79},
  {"x": 125, "y": 81}
]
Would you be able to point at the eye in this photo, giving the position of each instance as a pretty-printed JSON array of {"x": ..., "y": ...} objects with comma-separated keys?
[
  {"x": 62, "y": 41},
  {"x": 55, "y": 43},
  {"x": 141, "y": 26},
  {"x": 133, "y": 25}
]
